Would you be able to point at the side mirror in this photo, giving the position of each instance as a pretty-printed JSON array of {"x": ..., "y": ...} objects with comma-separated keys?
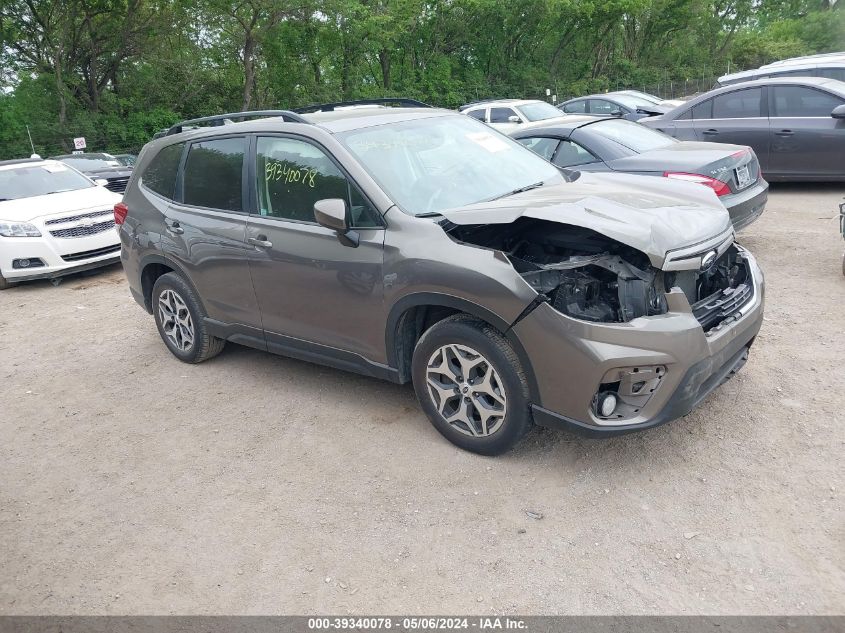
[
  {"x": 616, "y": 113},
  {"x": 331, "y": 213},
  {"x": 838, "y": 112},
  {"x": 101, "y": 182},
  {"x": 514, "y": 119}
]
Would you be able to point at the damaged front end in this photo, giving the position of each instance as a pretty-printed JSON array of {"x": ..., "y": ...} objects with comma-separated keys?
[{"x": 590, "y": 277}]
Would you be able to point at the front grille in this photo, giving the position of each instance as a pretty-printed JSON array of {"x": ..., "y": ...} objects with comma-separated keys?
[
  {"x": 83, "y": 231},
  {"x": 81, "y": 216},
  {"x": 713, "y": 310},
  {"x": 118, "y": 185},
  {"x": 75, "y": 257}
]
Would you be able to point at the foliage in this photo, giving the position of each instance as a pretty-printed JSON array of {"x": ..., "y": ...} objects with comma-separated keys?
[{"x": 116, "y": 71}]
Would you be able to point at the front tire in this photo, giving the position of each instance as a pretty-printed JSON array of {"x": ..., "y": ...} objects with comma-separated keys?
[
  {"x": 4, "y": 283},
  {"x": 471, "y": 385},
  {"x": 180, "y": 320}
]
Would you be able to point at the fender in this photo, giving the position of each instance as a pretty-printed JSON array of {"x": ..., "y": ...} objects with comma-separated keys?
[
  {"x": 157, "y": 258},
  {"x": 435, "y": 299}
]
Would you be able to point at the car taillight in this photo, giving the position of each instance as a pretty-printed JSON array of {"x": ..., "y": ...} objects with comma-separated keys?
[
  {"x": 721, "y": 188},
  {"x": 120, "y": 213}
]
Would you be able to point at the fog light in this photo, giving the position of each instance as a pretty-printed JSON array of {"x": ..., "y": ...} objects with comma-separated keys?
[
  {"x": 606, "y": 404},
  {"x": 32, "y": 262}
]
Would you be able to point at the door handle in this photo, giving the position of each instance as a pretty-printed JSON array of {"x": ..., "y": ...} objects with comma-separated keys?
[
  {"x": 261, "y": 241},
  {"x": 785, "y": 133},
  {"x": 711, "y": 131},
  {"x": 174, "y": 227}
]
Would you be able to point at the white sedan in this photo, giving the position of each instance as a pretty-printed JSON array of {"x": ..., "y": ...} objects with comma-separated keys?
[{"x": 53, "y": 221}]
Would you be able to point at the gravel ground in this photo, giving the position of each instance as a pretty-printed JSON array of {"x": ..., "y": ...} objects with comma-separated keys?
[{"x": 253, "y": 484}]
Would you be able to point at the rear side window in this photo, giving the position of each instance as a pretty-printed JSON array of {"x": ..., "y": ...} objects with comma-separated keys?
[
  {"x": 703, "y": 110},
  {"x": 477, "y": 114},
  {"x": 160, "y": 174},
  {"x": 543, "y": 146},
  {"x": 576, "y": 107},
  {"x": 740, "y": 104},
  {"x": 798, "y": 101},
  {"x": 600, "y": 106},
  {"x": 501, "y": 115},
  {"x": 570, "y": 154},
  {"x": 214, "y": 174}
]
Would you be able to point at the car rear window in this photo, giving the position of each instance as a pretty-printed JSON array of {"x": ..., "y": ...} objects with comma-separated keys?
[
  {"x": 160, "y": 174},
  {"x": 214, "y": 174},
  {"x": 633, "y": 136}
]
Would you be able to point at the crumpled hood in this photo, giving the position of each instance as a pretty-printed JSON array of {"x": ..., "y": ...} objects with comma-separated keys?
[
  {"x": 28, "y": 209},
  {"x": 653, "y": 215}
]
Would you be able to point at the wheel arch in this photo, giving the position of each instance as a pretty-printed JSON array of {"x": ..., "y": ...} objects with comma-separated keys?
[
  {"x": 154, "y": 266},
  {"x": 413, "y": 314}
]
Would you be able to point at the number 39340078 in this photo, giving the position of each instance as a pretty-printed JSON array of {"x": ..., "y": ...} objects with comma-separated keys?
[{"x": 278, "y": 171}]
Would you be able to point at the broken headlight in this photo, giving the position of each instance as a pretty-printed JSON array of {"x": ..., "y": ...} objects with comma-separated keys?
[{"x": 600, "y": 288}]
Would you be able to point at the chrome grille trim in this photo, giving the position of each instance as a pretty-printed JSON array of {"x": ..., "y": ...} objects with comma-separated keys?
[
  {"x": 83, "y": 231},
  {"x": 81, "y": 216},
  {"x": 689, "y": 257}
]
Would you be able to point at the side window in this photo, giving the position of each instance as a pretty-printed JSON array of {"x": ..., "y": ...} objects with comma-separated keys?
[
  {"x": 501, "y": 115},
  {"x": 477, "y": 114},
  {"x": 545, "y": 147},
  {"x": 576, "y": 107},
  {"x": 160, "y": 174},
  {"x": 739, "y": 104},
  {"x": 570, "y": 154},
  {"x": 798, "y": 101},
  {"x": 600, "y": 106},
  {"x": 293, "y": 175},
  {"x": 703, "y": 110},
  {"x": 684, "y": 116},
  {"x": 831, "y": 73},
  {"x": 213, "y": 175}
]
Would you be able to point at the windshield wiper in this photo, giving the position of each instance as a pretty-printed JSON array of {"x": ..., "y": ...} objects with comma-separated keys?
[{"x": 520, "y": 190}]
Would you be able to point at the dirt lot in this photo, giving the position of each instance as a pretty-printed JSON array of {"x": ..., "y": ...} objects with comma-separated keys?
[{"x": 131, "y": 483}]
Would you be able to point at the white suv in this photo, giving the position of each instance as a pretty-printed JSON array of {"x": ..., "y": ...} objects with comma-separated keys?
[
  {"x": 507, "y": 114},
  {"x": 53, "y": 221}
]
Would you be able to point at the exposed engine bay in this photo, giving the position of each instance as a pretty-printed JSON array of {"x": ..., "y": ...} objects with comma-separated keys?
[{"x": 590, "y": 277}]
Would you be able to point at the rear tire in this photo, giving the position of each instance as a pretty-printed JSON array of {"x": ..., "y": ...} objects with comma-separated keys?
[
  {"x": 471, "y": 385},
  {"x": 180, "y": 319}
]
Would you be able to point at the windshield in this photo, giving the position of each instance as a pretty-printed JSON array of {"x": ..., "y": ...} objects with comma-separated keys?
[
  {"x": 633, "y": 136},
  {"x": 428, "y": 165},
  {"x": 539, "y": 111},
  {"x": 39, "y": 180},
  {"x": 89, "y": 162},
  {"x": 633, "y": 102},
  {"x": 127, "y": 160},
  {"x": 640, "y": 95}
]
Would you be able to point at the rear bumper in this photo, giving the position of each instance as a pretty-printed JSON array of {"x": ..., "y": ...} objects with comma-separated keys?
[{"x": 747, "y": 205}]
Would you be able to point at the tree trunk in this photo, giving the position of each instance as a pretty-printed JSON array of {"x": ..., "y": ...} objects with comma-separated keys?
[
  {"x": 249, "y": 70},
  {"x": 384, "y": 61}
]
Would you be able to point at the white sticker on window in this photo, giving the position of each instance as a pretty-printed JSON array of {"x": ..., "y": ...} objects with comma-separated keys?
[
  {"x": 55, "y": 167},
  {"x": 488, "y": 141}
]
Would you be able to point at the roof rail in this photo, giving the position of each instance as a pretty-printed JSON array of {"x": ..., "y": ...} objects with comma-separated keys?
[
  {"x": 223, "y": 119},
  {"x": 400, "y": 102}
]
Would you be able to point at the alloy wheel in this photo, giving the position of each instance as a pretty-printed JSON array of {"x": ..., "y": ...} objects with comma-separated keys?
[
  {"x": 176, "y": 322},
  {"x": 466, "y": 390}
]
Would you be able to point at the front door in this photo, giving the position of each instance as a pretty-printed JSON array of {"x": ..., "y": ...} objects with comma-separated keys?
[
  {"x": 312, "y": 289},
  {"x": 805, "y": 140}
]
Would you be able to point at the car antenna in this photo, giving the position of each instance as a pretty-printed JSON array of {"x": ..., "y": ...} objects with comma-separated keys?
[{"x": 30, "y": 140}]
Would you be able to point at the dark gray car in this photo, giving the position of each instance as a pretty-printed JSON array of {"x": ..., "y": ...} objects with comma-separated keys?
[
  {"x": 624, "y": 105},
  {"x": 590, "y": 144},
  {"x": 796, "y": 125},
  {"x": 420, "y": 245},
  {"x": 100, "y": 167}
]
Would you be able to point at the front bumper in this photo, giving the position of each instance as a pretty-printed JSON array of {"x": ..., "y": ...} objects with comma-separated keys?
[
  {"x": 60, "y": 256},
  {"x": 570, "y": 359},
  {"x": 747, "y": 205}
]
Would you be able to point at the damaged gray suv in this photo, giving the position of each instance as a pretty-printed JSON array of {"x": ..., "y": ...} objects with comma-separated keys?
[{"x": 416, "y": 244}]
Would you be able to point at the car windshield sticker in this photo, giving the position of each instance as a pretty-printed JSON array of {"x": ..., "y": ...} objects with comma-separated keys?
[
  {"x": 488, "y": 141},
  {"x": 276, "y": 170}
]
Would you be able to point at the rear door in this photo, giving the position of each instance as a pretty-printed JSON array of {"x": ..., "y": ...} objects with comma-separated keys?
[
  {"x": 806, "y": 142},
  {"x": 205, "y": 229},
  {"x": 312, "y": 289},
  {"x": 739, "y": 117}
]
